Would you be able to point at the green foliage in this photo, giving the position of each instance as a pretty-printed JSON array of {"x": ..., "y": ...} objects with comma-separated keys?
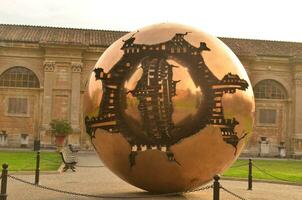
[
  {"x": 26, "y": 161},
  {"x": 60, "y": 127}
]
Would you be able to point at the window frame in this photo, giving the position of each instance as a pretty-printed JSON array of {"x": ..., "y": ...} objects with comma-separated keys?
[
  {"x": 7, "y": 113},
  {"x": 259, "y": 124},
  {"x": 273, "y": 85},
  {"x": 25, "y": 78}
]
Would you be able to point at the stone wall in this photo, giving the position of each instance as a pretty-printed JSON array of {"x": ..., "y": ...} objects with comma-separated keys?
[
  {"x": 63, "y": 71},
  {"x": 282, "y": 132}
]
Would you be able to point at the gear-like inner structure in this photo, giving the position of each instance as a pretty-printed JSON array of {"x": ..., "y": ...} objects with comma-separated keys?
[{"x": 155, "y": 91}]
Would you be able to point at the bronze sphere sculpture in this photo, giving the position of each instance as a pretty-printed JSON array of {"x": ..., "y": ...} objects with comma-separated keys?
[{"x": 167, "y": 107}]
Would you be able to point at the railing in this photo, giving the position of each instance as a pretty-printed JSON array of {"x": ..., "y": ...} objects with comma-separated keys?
[
  {"x": 217, "y": 187},
  {"x": 4, "y": 177}
]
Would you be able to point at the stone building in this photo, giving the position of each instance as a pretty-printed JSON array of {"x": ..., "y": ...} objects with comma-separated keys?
[{"x": 43, "y": 71}]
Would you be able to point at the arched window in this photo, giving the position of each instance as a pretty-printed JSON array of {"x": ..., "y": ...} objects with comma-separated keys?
[
  {"x": 269, "y": 89},
  {"x": 19, "y": 77}
]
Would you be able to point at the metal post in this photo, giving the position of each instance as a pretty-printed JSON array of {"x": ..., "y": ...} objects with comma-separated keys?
[
  {"x": 3, "y": 195},
  {"x": 216, "y": 187},
  {"x": 37, "y": 145},
  {"x": 37, "y": 176},
  {"x": 250, "y": 177}
]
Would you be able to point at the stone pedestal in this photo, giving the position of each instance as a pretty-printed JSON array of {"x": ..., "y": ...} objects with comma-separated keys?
[
  {"x": 297, "y": 141},
  {"x": 282, "y": 152},
  {"x": 264, "y": 147}
]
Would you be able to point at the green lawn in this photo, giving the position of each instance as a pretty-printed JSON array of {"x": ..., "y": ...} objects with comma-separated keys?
[
  {"x": 26, "y": 161},
  {"x": 281, "y": 170}
]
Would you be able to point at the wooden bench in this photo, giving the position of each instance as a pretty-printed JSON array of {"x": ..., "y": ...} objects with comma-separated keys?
[
  {"x": 69, "y": 158},
  {"x": 72, "y": 149}
]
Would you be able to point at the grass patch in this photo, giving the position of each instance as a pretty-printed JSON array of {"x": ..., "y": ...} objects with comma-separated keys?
[
  {"x": 26, "y": 161},
  {"x": 289, "y": 170}
]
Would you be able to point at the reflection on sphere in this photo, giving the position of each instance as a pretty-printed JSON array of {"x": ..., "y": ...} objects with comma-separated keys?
[{"x": 160, "y": 108}]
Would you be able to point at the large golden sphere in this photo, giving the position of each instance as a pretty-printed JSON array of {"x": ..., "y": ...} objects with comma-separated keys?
[{"x": 168, "y": 107}]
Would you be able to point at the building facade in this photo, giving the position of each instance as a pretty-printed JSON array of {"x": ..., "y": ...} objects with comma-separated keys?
[{"x": 43, "y": 71}]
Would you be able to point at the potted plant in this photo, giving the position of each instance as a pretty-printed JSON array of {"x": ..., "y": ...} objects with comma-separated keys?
[{"x": 60, "y": 128}]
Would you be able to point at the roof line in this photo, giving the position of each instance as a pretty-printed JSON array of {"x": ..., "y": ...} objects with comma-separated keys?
[
  {"x": 58, "y": 27},
  {"x": 260, "y": 40},
  {"x": 120, "y": 31}
]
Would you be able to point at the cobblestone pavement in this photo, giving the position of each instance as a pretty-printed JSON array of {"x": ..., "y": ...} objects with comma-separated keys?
[{"x": 100, "y": 181}]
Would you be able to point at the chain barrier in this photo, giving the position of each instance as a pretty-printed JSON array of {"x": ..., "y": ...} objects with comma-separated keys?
[
  {"x": 264, "y": 171},
  {"x": 239, "y": 165},
  {"x": 137, "y": 197},
  {"x": 103, "y": 196},
  {"x": 232, "y": 193},
  {"x": 200, "y": 189},
  {"x": 90, "y": 166}
]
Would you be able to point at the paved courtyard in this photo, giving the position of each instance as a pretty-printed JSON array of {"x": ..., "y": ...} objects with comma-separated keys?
[{"x": 100, "y": 181}]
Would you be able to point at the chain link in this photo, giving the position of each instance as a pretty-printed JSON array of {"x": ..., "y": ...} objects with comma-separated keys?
[
  {"x": 90, "y": 166},
  {"x": 103, "y": 196},
  {"x": 137, "y": 197},
  {"x": 264, "y": 171},
  {"x": 232, "y": 193},
  {"x": 240, "y": 165},
  {"x": 200, "y": 189}
]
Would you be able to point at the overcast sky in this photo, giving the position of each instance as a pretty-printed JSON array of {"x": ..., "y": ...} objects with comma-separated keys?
[{"x": 256, "y": 19}]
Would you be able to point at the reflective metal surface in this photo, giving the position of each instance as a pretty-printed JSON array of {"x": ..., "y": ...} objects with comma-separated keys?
[{"x": 168, "y": 107}]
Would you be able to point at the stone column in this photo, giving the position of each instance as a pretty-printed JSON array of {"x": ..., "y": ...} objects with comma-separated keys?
[
  {"x": 49, "y": 67},
  {"x": 76, "y": 68},
  {"x": 298, "y": 114}
]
